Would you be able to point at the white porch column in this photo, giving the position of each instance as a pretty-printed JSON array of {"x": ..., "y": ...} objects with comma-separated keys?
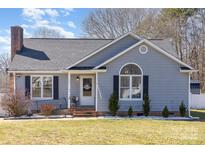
[
  {"x": 69, "y": 79},
  {"x": 96, "y": 92}
]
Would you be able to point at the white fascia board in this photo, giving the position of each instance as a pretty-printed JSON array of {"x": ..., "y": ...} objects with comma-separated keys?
[
  {"x": 35, "y": 72},
  {"x": 83, "y": 71},
  {"x": 105, "y": 46},
  {"x": 188, "y": 71},
  {"x": 58, "y": 72}
]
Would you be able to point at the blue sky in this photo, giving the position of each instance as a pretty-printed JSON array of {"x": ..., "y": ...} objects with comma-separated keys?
[{"x": 67, "y": 21}]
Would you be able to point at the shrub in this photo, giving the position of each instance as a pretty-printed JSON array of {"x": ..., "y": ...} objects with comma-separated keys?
[
  {"x": 182, "y": 109},
  {"x": 146, "y": 105},
  {"x": 165, "y": 112},
  {"x": 15, "y": 105},
  {"x": 47, "y": 109},
  {"x": 130, "y": 111},
  {"x": 113, "y": 104}
]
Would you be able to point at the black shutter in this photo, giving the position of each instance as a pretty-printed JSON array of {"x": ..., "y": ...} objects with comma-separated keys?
[
  {"x": 116, "y": 85},
  {"x": 55, "y": 87},
  {"x": 27, "y": 85},
  {"x": 145, "y": 85}
]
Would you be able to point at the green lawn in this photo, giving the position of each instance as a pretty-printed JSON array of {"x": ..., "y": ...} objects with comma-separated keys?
[
  {"x": 102, "y": 132},
  {"x": 198, "y": 113}
]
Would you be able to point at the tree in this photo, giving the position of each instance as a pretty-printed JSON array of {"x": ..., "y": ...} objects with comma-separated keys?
[
  {"x": 4, "y": 64},
  {"x": 113, "y": 104},
  {"x": 44, "y": 32},
  {"x": 15, "y": 104},
  {"x": 112, "y": 23}
]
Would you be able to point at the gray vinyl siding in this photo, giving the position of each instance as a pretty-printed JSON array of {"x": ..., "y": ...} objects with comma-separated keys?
[
  {"x": 63, "y": 84},
  {"x": 75, "y": 86},
  {"x": 167, "y": 86},
  {"x": 20, "y": 85},
  {"x": 109, "y": 51}
]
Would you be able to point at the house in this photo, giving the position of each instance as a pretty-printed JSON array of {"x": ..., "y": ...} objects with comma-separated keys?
[{"x": 90, "y": 70}]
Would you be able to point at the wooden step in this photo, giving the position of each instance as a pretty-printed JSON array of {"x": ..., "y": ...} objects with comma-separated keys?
[
  {"x": 84, "y": 109},
  {"x": 84, "y": 113}
]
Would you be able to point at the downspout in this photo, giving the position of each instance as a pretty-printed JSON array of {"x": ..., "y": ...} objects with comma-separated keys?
[{"x": 189, "y": 97}]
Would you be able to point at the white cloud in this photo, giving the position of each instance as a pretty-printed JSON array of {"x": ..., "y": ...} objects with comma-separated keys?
[
  {"x": 51, "y": 12},
  {"x": 37, "y": 14},
  {"x": 39, "y": 19},
  {"x": 67, "y": 11},
  {"x": 5, "y": 44},
  {"x": 71, "y": 24},
  {"x": 26, "y": 34},
  {"x": 24, "y": 26},
  {"x": 32, "y": 13},
  {"x": 4, "y": 40},
  {"x": 42, "y": 22}
]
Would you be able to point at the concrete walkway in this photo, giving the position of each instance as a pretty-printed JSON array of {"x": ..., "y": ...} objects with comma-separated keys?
[{"x": 69, "y": 117}]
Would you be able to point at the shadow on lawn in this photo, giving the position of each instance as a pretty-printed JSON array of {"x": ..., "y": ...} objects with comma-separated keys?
[{"x": 198, "y": 113}]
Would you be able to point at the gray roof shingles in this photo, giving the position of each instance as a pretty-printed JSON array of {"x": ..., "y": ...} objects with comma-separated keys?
[
  {"x": 56, "y": 54},
  {"x": 53, "y": 54}
]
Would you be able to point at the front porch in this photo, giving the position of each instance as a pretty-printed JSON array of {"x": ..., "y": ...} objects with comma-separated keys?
[{"x": 82, "y": 93}]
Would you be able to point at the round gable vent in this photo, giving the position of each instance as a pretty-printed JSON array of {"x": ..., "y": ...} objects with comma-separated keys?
[{"x": 143, "y": 49}]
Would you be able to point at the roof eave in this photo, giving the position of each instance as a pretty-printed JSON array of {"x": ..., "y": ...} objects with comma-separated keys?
[{"x": 188, "y": 71}]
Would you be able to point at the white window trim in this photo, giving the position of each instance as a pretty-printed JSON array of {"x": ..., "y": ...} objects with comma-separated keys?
[
  {"x": 130, "y": 85},
  {"x": 41, "y": 77}
]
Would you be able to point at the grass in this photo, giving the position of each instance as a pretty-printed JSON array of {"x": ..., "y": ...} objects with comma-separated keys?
[
  {"x": 102, "y": 132},
  {"x": 198, "y": 113}
]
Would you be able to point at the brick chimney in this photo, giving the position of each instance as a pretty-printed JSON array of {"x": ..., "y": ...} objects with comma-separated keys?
[{"x": 16, "y": 40}]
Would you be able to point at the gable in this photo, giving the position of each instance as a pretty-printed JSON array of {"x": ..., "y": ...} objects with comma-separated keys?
[
  {"x": 153, "y": 61},
  {"x": 150, "y": 44},
  {"x": 107, "y": 51}
]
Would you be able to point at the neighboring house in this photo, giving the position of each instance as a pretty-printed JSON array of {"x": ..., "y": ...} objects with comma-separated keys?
[
  {"x": 195, "y": 87},
  {"x": 92, "y": 69}
]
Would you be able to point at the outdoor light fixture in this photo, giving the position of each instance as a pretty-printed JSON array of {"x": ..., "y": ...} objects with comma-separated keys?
[{"x": 77, "y": 78}]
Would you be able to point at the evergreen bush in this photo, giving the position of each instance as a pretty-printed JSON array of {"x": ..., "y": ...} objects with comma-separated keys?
[
  {"x": 113, "y": 104},
  {"x": 182, "y": 109},
  {"x": 165, "y": 112},
  {"x": 146, "y": 105},
  {"x": 130, "y": 111}
]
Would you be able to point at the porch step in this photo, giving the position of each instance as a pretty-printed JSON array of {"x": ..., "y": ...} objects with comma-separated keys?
[
  {"x": 85, "y": 109},
  {"x": 84, "y": 113}
]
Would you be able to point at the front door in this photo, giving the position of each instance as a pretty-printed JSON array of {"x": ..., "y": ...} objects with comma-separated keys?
[{"x": 86, "y": 90}]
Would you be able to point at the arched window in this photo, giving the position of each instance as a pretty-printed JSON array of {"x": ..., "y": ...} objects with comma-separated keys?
[{"x": 130, "y": 82}]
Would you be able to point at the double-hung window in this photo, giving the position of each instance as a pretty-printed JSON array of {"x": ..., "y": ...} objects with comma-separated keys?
[
  {"x": 130, "y": 82},
  {"x": 42, "y": 87}
]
